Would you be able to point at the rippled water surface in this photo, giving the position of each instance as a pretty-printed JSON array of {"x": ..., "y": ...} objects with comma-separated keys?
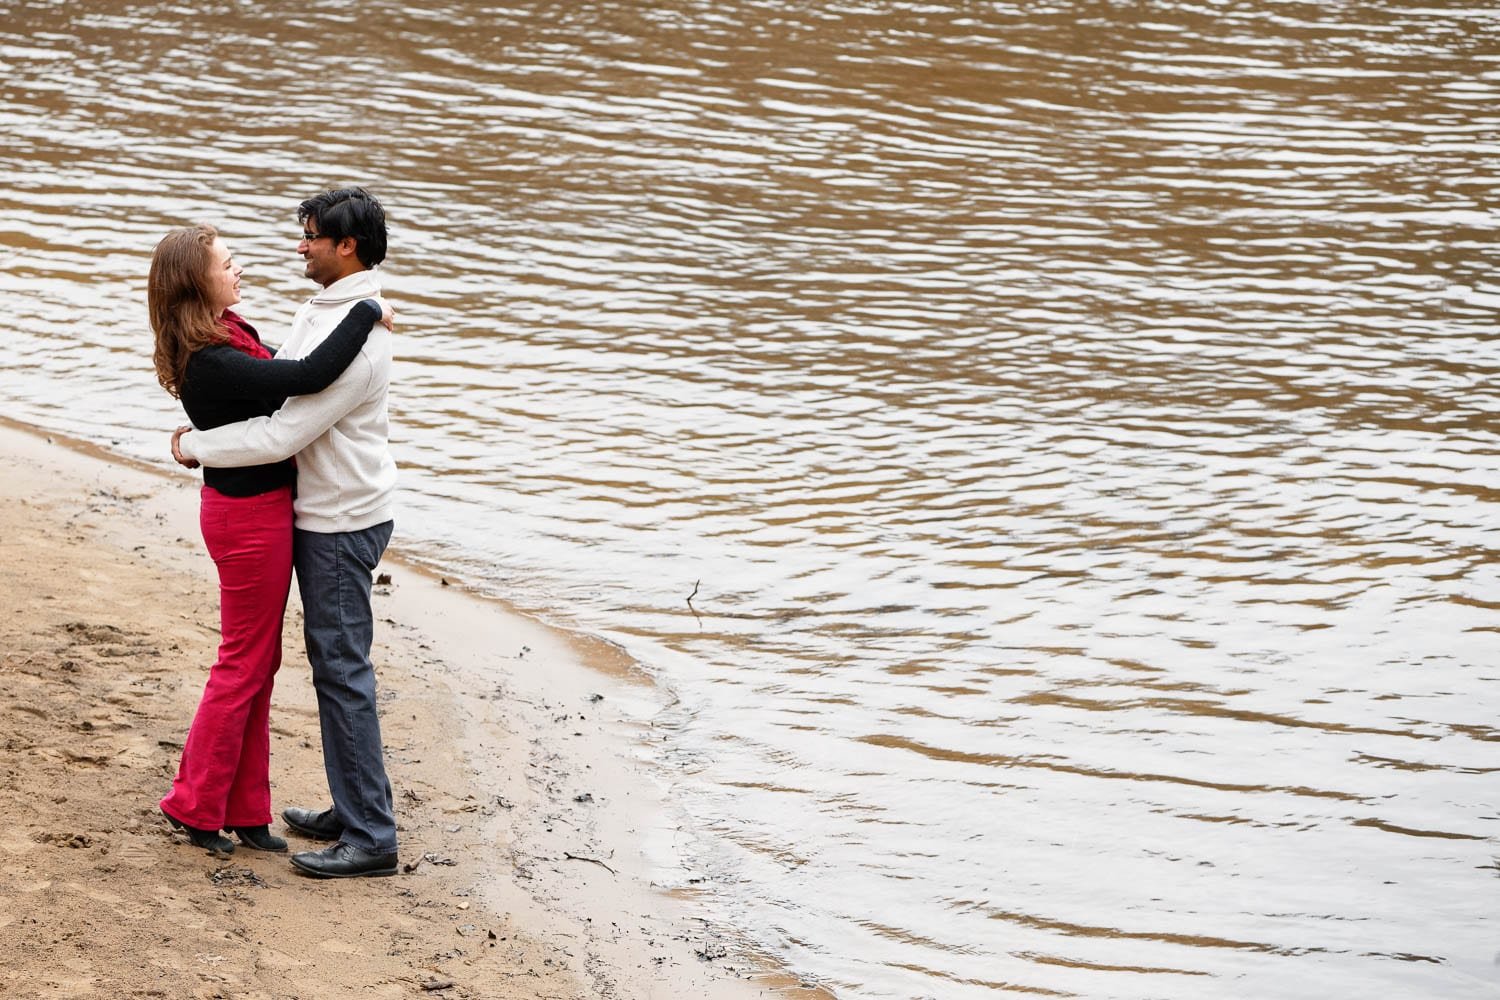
[{"x": 1074, "y": 423}]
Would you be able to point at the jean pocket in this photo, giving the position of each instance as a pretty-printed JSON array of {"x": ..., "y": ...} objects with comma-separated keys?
[
  {"x": 213, "y": 518},
  {"x": 368, "y": 546}
]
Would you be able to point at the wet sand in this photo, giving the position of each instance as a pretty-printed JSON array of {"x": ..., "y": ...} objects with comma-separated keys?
[{"x": 525, "y": 815}]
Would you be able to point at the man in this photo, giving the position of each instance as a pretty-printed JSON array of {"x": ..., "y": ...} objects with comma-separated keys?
[{"x": 346, "y": 481}]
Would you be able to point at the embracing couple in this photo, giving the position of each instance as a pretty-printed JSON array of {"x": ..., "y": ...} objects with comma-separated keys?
[{"x": 327, "y": 512}]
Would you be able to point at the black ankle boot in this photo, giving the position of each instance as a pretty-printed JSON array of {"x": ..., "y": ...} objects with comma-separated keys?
[
  {"x": 209, "y": 840},
  {"x": 259, "y": 837}
]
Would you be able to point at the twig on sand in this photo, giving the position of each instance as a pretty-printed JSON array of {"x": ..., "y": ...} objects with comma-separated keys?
[
  {"x": 412, "y": 866},
  {"x": 596, "y": 861}
]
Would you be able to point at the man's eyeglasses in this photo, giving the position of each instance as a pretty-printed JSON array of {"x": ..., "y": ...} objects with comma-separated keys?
[{"x": 308, "y": 237}]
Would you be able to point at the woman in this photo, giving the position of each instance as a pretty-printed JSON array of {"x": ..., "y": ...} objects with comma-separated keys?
[{"x": 212, "y": 360}]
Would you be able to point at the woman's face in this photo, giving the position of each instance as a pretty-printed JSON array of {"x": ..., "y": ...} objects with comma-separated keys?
[{"x": 223, "y": 278}]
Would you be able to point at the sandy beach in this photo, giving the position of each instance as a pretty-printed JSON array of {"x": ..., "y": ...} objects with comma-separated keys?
[{"x": 525, "y": 811}]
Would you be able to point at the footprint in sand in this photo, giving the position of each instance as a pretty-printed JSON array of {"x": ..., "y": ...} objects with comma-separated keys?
[
  {"x": 116, "y": 904},
  {"x": 280, "y": 961},
  {"x": 85, "y": 632},
  {"x": 135, "y": 851},
  {"x": 335, "y": 946},
  {"x": 179, "y": 912},
  {"x": 107, "y": 641},
  {"x": 167, "y": 959},
  {"x": 73, "y": 977},
  {"x": 92, "y": 755},
  {"x": 127, "y": 699},
  {"x": 16, "y": 841},
  {"x": 95, "y": 893},
  {"x": 135, "y": 751}
]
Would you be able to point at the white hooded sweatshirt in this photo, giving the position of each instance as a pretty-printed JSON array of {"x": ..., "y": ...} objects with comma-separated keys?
[{"x": 346, "y": 478}]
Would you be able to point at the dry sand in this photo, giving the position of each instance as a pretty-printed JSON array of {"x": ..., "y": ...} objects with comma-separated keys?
[{"x": 525, "y": 809}]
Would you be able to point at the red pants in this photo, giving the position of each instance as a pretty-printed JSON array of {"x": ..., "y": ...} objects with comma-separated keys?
[{"x": 224, "y": 778}]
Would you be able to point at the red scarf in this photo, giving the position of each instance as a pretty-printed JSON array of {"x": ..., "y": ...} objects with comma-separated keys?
[{"x": 242, "y": 336}]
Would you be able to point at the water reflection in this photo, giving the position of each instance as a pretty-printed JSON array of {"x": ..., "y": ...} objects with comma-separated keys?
[{"x": 1073, "y": 423}]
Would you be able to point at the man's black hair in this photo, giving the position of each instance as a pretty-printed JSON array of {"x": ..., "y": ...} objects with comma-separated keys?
[{"x": 350, "y": 211}]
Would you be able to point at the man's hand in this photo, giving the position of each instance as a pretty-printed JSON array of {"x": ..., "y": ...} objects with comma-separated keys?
[
  {"x": 190, "y": 463},
  {"x": 388, "y": 316}
]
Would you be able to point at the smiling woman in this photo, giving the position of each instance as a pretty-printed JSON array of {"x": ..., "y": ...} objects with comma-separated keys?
[{"x": 226, "y": 277}]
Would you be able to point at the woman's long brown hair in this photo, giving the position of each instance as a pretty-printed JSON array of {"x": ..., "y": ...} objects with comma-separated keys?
[{"x": 177, "y": 299}]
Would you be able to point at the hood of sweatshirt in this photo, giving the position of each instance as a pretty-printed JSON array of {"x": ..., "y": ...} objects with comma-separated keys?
[{"x": 350, "y": 288}]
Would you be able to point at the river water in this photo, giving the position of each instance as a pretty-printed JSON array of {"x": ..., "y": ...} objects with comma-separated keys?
[{"x": 1074, "y": 423}]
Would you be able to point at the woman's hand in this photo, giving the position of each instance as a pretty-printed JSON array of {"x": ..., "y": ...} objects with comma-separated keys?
[
  {"x": 388, "y": 316},
  {"x": 191, "y": 463}
]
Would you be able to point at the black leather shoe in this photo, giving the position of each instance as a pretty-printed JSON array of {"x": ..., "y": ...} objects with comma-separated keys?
[
  {"x": 343, "y": 860},
  {"x": 209, "y": 840},
  {"x": 260, "y": 838},
  {"x": 317, "y": 825}
]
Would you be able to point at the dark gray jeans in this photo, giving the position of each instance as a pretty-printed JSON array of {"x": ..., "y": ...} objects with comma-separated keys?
[{"x": 334, "y": 575}]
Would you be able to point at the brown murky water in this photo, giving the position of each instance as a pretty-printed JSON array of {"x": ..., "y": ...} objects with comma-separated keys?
[{"x": 1075, "y": 422}]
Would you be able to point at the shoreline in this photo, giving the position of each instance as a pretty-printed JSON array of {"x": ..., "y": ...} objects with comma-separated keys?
[{"x": 524, "y": 801}]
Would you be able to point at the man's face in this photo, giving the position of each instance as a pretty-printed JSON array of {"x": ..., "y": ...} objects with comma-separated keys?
[{"x": 324, "y": 264}]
